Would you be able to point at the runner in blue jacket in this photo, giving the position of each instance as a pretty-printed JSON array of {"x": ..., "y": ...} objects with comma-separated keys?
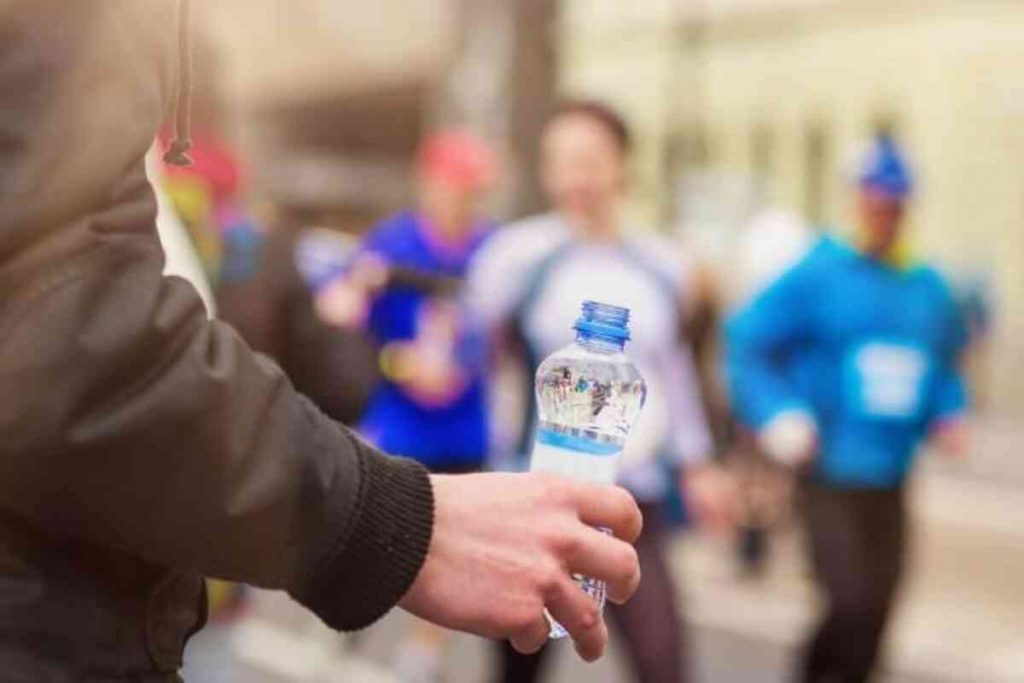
[{"x": 844, "y": 367}]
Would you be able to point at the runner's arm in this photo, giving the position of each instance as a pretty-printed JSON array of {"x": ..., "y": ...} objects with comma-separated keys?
[
  {"x": 758, "y": 341},
  {"x": 951, "y": 401}
]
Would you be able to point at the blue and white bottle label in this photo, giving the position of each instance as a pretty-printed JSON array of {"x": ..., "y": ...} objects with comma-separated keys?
[{"x": 574, "y": 457}]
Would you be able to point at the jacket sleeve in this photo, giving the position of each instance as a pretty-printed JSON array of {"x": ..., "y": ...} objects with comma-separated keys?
[
  {"x": 132, "y": 421},
  {"x": 759, "y": 340}
]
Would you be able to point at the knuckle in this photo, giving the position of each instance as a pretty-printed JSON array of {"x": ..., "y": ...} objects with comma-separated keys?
[
  {"x": 621, "y": 507},
  {"x": 629, "y": 559},
  {"x": 622, "y": 566},
  {"x": 525, "y": 622},
  {"x": 567, "y": 543},
  {"x": 521, "y": 621},
  {"x": 507, "y": 625},
  {"x": 550, "y": 488},
  {"x": 549, "y": 581},
  {"x": 544, "y": 480},
  {"x": 626, "y": 503},
  {"x": 589, "y": 617}
]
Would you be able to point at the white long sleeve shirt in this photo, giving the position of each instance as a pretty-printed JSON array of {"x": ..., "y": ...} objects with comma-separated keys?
[{"x": 536, "y": 274}]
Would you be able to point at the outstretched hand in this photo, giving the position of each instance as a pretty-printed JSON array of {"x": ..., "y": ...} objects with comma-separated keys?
[
  {"x": 713, "y": 498},
  {"x": 504, "y": 549},
  {"x": 952, "y": 438}
]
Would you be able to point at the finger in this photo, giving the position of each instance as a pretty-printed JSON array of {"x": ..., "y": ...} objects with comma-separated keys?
[
  {"x": 704, "y": 517},
  {"x": 610, "y": 508},
  {"x": 608, "y": 559},
  {"x": 371, "y": 271},
  {"x": 735, "y": 508},
  {"x": 581, "y": 616},
  {"x": 708, "y": 520},
  {"x": 533, "y": 639},
  {"x": 723, "y": 520},
  {"x": 726, "y": 512},
  {"x": 714, "y": 509}
]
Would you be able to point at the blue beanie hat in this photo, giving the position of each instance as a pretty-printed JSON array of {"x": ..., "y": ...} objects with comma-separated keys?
[{"x": 884, "y": 169}]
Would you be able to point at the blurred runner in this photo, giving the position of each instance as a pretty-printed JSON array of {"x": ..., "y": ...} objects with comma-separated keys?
[
  {"x": 528, "y": 283},
  {"x": 975, "y": 296},
  {"x": 843, "y": 367},
  {"x": 772, "y": 243},
  {"x": 402, "y": 289},
  {"x": 269, "y": 299}
]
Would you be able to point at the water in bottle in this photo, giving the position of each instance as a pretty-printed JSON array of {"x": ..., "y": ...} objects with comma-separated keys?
[{"x": 589, "y": 396}]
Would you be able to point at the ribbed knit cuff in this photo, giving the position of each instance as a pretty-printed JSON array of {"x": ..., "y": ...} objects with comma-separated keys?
[{"x": 384, "y": 551}]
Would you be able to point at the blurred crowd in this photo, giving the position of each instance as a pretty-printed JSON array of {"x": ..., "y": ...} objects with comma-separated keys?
[{"x": 804, "y": 379}]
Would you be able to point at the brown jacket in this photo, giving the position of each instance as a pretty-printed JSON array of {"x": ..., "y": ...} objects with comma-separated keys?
[{"x": 142, "y": 446}]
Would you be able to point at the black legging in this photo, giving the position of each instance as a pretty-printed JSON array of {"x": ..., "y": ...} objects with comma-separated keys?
[
  {"x": 857, "y": 543},
  {"x": 650, "y": 623}
]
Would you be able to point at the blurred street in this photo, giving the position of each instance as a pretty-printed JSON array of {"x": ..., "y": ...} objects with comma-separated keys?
[{"x": 960, "y": 622}]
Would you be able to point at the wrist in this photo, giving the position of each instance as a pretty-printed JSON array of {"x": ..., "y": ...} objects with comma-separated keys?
[
  {"x": 947, "y": 422},
  {"x": 384, "y": 550},
  {"x": 790, "y": 438},
  {"x": 698, "y": 469}
]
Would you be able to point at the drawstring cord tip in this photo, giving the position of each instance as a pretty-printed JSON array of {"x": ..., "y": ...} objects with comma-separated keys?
[{"x": 177, "y": 155}]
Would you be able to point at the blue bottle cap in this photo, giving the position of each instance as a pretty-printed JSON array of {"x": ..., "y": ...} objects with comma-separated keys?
[{"x": 603, "y": 321}]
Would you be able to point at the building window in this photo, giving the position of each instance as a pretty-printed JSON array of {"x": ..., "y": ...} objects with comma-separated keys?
[
  {"x": 688, "y": 150},
  {"x": 762, "y": 151},
  {"x": 816, "y": 169},
  {"x": 886, "y": 124}
]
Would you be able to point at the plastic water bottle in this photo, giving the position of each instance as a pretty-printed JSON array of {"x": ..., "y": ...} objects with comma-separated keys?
[{"x": 589, "y": 396}]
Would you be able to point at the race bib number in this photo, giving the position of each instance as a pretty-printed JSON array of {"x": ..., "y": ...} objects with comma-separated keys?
[{"x": 887, "y": 380}]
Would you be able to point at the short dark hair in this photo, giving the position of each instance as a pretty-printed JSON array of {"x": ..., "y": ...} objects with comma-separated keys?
[{"x": 603, "y": 114}]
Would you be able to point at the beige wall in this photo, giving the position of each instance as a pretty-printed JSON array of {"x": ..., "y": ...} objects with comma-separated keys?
[
  {"x": 620, "y": 52},
  {"x": 280, "y": 49},
  {"x": 947, "y": 72}
]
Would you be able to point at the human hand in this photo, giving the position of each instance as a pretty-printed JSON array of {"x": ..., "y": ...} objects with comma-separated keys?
[
  {"x": 504, "y": 549},
  {"x": 340, "y": 304},
  {"x": 346, "y": 301},
  {"x": 426, "y": 367},
  {"x": 431, "y": 379},
  {"x": 712, "y": 498},
  {"x": 952, "y": 437},
  {"x": 791, "y": 439}
]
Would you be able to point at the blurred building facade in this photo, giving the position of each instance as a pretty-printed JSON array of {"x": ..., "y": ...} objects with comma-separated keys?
[
  {"x": 764, "y": 102},
  {"x": 329, "y": 99}
]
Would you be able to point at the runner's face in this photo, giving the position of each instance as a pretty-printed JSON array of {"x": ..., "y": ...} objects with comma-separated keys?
[
  {"x": 449, "y": 205},
  {"x": 583, "y": 169},
  {"x": 881, "y": 219}
]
